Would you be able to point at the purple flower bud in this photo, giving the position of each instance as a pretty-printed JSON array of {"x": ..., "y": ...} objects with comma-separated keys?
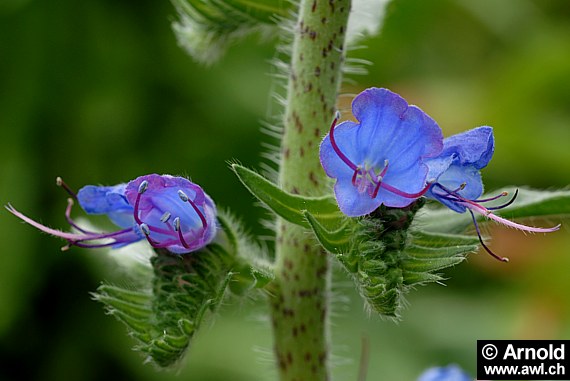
[
  {"x": 380, "y": 160},
  {"x": 456, "y": 182},
  {"x": 143, "y": 208}
]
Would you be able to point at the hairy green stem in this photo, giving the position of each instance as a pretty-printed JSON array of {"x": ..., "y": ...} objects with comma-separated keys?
[{"x": 300, "y": 304}]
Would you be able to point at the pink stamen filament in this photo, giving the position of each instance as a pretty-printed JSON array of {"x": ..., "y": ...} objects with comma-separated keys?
[
  {"x": 200, "y": 214},
  {"x": 181, "y": 238},
  {"x": 473, "y": 206},
  {"x": 336, "y": 148},
  {"x": 70, "y": 221},
  {"x": 487, "y": 213},
  {"x": 390, "y": 188},
  {"x": 71, "y": 238},
  {"x": 379, "y": 180}
]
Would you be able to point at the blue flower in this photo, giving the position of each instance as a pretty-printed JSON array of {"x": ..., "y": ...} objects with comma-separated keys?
[
  {"x": 170, "y": 212},
  {"x": 380, "y": 160},
  {"x": 456, "y": 182},
  {"x": 458, "y": 167},
  {"x": 449, "y": 373}
]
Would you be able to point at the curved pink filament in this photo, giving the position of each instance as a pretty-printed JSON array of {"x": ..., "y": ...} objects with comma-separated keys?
[
  {"x": 379, "y": 181},
  {"x": 487, "y": 213},
  {"x": 336, "y": 148},
  {"x": 200, "y": 214},
  {"x": 71, "y": 238},
  {"x": 390, "y": 188}
]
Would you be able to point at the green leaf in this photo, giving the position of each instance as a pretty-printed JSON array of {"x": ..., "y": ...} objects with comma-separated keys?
[
  {"x": 207, "y": 27},
  {"x": 337, "y": 241},
  {"x": 289, "y": 206},
  {"x": 430, "y": 252},
  {"x": 164, "y": 319},
  {"x": 529, "y": 203}
]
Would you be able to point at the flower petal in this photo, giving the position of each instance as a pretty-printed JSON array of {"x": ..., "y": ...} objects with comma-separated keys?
[
  {"x": 162, "y": 196},
  {"x": 351, "y": 202},
  {"x": 474, "y": 147},
  {"x": 345, "y": 135},
  {"x": 454, "y": 178},
  {"x": 109, "y": 200},
  {"x": 390, "y": 129},
  {"x": 103, "y": 199}
]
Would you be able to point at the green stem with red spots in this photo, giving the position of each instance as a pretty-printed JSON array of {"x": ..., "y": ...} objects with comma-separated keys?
[{"x": 300, "y": 299}]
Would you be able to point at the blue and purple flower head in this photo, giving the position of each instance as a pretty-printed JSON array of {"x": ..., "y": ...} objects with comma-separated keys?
[
  {"x": 170, "y": 212},
  {"x": 396, "y": 154},
  {"x": 381, "y": 159}
]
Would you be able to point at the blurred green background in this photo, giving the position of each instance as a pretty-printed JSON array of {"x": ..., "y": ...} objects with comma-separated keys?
[{"x": 98, "y": 92}]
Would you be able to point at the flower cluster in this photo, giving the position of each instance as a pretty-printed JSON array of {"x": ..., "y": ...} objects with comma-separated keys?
[
  {"x": 397, "y": 153},
  {"x": 170, "y": 212}
]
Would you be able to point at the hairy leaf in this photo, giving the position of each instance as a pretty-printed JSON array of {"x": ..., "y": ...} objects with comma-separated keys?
[{"x": 289, "y": 206}]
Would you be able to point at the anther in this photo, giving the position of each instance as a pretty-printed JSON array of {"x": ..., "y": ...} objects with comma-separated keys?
[
  {"x": 60, "y": 183},
  {"x": 145, "y": 229},
  {"x": 336, "y": 116},
  {"x": 183, "y": 196},
  {"x": 165, "y": 217},
  {"x": 143, "y": 187},
  {"x": 177, "y": 224}
]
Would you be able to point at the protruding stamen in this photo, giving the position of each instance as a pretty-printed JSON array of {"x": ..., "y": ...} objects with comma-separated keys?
[
  {"x": 143, "y": 187},
  {"x": 487, "y": 213},
  {"x": 507, "y": 203},
  {"x": 60, "y": 183},
  {"x": 335, "y": 147},
  {"x": 165, "y": 217},
  {"x": 145, "y": 229},
  {"x": 502, "y": 259},
  {"x": 183, "y": 195},
  {"x": 502, "y": 194},
  {"x": 70, "y": 220},
  {"x": 176, "y": 224}
]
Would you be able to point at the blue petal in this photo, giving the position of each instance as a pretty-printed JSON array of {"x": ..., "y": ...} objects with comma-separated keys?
[
  {"x": 449, "y": 373},
  {"x": 474, "y": 147},
  {"x": 108, "y": 200},
  {"x": 345, "y": 135},
  {"x": 411, "y": 180},
  {"x": 351, "y": 202},
  {"x": 452, "y": 179},
  {"x": 102, "y": 200},
  {"x": 438, "y": 165},
  {"x": 390, "y": 129}
]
